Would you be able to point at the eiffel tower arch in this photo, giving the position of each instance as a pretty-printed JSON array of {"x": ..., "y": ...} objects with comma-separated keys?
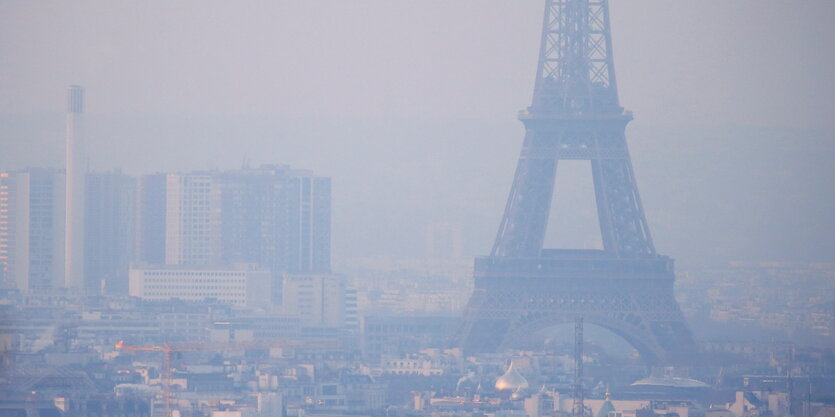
[{"x": 626, "y": 287}]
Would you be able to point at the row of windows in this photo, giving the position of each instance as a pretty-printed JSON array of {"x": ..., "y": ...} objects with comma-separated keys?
[
  {"x": 198, "y": 295},
  {"x": 192, "y": 282},
  {"x": 207, "y": 280},
  {"x": 200, "y": 287},
  {"x": 194, "y": 273}
]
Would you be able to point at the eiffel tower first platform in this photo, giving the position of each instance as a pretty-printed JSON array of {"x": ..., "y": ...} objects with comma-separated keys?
[{"x": 626, "y": 287}]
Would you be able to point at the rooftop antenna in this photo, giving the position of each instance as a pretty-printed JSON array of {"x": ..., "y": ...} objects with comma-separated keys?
[
  {"x": 579, "y": 408},
  {"x": 791, "y": 380}
]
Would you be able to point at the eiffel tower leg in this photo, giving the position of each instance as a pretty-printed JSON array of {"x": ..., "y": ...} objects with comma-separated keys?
[
  {"x": 525, "y": 219},
  {"x": 622, "y": 222}
]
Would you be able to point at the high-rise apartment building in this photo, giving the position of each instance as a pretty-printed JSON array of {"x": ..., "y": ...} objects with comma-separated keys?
[
  {"x": 276, "y": 217},
  {"x": 273, "y": 216},
  {"x": 75, "y": 182},
  {"x": 309, "y": 223},
  {"x": 192, "y": 219},
  {"x": 32, "y": 229},
  {"x": 109, "y": 231},
  {"x": 149, "y": 244}
]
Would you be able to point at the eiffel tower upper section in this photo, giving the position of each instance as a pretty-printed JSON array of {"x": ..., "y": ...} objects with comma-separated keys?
[
  {"x": 575, "y": 115},
  {"x": 576, "y": 72}
]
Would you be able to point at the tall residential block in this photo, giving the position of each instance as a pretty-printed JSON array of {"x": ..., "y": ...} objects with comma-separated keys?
[
  {"x": 192, "y": 219},
  {"x": 109, "y": 231},
  {"x": 76, "y": 161},
  {"x": 276, "y": 217},
  {"x": 149, "y": 242},
  {"x": 272, "y": 216},
  {"x": 32, "y": 229}
]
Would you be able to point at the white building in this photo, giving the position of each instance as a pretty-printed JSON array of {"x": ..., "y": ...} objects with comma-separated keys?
[
  {"x": 192, "y": 219},
  {"x": 250, "y": 288},
  {"x": 32, "y": 229},
  {"x": 318, "y": 300}
]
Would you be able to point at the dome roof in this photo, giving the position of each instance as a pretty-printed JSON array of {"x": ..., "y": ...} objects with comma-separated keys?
[
  {"x": 606, "y": 408},
  {"x": 511, "y": 380}
]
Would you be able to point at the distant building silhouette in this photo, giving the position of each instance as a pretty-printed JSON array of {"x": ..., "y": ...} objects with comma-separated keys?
[
  {"x": 276, "y": 217},
  {"x": 150, "y": 219},
  {"x": 273, "y": 216},
  {"x": 109, "y": 231},
  {"x": 32, "y": 229}
]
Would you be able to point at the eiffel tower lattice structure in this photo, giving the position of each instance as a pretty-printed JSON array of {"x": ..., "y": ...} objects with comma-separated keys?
[{"x": 626, "y": 287}]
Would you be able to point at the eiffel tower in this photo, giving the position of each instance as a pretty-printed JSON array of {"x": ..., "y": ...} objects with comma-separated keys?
[{"x": 626, "y": 287}]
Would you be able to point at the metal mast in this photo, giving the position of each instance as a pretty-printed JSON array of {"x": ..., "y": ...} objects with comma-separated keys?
[{"x": 579, "y": 408}]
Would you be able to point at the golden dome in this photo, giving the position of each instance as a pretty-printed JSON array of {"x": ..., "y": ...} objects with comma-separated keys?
[{"x": 511, "y": 380}]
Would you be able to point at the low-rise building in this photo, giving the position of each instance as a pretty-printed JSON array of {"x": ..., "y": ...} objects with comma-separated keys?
[{"x": 240, "y": 287}]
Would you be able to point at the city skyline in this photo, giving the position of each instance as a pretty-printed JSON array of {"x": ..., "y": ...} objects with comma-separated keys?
[{"x": 287, "y": 209}]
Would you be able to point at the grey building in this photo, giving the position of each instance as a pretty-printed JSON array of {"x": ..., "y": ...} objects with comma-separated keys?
[
  {"x": 276, "y": 217},
  {"x": 149, "y": 246},
  {"x": 272, "y": 216},
  {"x": 109, "y": 231}
]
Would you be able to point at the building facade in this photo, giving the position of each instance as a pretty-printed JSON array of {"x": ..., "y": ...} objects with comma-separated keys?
[
  {"x": 32, "y": 229},
  {"x": 109, "y": 232},
  {"x": 272, "y": 216},
  {"x": 319, "y": 299},
  {"x": 149, "y": 243},
  {"x": 243, "y": 286},
  {"x": 276, "y": 217},
  {"x": 192, "y": 219}
]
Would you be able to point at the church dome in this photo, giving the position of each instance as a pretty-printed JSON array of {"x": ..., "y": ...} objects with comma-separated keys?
[
  {"x": 607, "y": 406},
  {"x": 512, "y": 380}
]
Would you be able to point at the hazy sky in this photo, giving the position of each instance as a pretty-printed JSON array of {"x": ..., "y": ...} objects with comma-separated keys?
[
  {"x": 760, "y": 62},
  {"x": 410, "y": 107}
]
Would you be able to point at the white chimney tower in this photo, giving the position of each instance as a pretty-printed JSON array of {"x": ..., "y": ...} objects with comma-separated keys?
[{"x": 76, "y": 176}]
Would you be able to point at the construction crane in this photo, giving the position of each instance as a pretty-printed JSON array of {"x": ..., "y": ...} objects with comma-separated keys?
[{"x": 168, "y": 348}]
